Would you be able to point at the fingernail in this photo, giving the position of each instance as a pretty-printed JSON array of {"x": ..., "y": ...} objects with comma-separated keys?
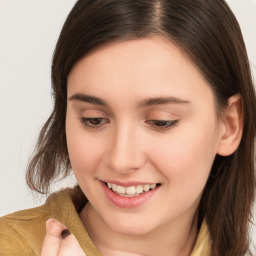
[
  {"x": 65, "y": 233},
  {"x": 54, "y": 227},
  {"x": 52, "y": 223}
]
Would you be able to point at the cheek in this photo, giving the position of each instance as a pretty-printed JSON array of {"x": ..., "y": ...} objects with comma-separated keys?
[
  {"x": 186, "y": 157},
  {"x": 84, "y": 153}
]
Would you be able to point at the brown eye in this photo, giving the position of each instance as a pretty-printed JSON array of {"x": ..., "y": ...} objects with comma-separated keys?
[
  {"x": 93, "y": 122},
  {"x": 162, "y": 125}
]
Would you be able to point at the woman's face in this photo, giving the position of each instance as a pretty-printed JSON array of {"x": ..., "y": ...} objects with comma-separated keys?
[{"x": 140, "y": 116}]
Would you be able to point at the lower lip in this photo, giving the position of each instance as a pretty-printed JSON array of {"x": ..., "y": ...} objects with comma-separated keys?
[{"x": 128, "y": 202}]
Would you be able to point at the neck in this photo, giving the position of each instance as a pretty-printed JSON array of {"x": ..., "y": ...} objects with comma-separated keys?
[{"x": 175, "y": 239}]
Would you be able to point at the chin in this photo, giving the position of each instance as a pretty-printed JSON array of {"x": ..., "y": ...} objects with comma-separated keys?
[{"x": 132, "y": 227}]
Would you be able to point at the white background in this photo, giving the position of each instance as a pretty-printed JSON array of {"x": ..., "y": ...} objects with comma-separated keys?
[{"x": 28, "y": 32}]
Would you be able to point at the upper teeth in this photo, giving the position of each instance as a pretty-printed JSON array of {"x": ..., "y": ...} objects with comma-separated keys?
[{"x": 132, "y": 190}]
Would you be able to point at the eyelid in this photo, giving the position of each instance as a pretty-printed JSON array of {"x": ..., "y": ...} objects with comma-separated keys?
[
  {"x": 156, "y": 124},
  {"x": 162, "y": 114},
  {"x": 169, "y": 124},
  {"x": 92, "y": 112},
  {"x": 85, "y": 122}
]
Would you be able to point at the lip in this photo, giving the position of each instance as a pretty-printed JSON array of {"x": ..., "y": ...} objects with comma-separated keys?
[
  {"x": 128, "y": 184},
  {"x": 128, "y": 202}
]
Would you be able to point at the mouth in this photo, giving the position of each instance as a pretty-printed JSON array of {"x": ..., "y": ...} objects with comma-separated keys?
[{"x": 131, "y": 191}]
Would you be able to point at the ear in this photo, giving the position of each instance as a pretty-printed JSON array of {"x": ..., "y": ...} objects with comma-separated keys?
[{"x": 232, "y": 126}]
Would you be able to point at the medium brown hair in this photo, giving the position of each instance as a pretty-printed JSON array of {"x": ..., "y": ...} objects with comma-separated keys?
[{"x": 210, "y": 35}]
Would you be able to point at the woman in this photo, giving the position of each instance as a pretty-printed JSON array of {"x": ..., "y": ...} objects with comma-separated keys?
[{"x": 155, "y": 114}]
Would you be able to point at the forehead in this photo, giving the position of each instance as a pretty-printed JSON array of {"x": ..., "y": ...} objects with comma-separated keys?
[
  {"x": 144, "y": 54},
  {"x": 150, "y": 66}
]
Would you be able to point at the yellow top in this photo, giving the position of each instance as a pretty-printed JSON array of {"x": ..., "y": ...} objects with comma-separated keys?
[{"x": 22, "y": 233}]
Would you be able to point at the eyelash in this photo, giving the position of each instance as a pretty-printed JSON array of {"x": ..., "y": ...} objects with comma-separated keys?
[
  {"x": 161, "y": 125},
  {"x": 86, "y": 122}
]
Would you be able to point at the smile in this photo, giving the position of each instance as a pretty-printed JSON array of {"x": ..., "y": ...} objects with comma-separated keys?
[
  {"x": 131, "y": 191},
  {"x": 130, "y": 196}
]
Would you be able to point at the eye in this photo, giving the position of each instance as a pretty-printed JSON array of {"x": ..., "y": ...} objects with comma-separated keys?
[
  {"x": 162, "y": 125},
  {"x": 93, "y": 122}
]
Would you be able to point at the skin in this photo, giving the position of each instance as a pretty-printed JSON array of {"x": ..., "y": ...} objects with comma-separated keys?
[
  {"x": 55, "y": 244},
  {"x": 127, "y": 145}
]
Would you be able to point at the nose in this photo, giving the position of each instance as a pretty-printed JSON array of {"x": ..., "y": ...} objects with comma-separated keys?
[{"x": 126, "y": 150}]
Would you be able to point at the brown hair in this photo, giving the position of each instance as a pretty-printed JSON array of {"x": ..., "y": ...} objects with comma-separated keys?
[{"x": 210, "y": 35}]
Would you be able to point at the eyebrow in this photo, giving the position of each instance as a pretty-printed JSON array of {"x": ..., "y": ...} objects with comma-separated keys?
[
  {"x": 160, "y": 101},
  {"x": 89, "y": 99},
  {"x": 140, "y": 104}
]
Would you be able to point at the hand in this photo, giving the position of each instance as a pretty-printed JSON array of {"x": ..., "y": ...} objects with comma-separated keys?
[{"x": 59, "y": 241}]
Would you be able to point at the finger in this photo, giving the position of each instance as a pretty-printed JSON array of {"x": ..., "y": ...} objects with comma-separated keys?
[
  {"x": 70, "y": 246},
  {"x": 52, "y": 238}
]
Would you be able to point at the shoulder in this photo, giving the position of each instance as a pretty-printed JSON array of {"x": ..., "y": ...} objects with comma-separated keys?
[{"x": 22, "y": 232}]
